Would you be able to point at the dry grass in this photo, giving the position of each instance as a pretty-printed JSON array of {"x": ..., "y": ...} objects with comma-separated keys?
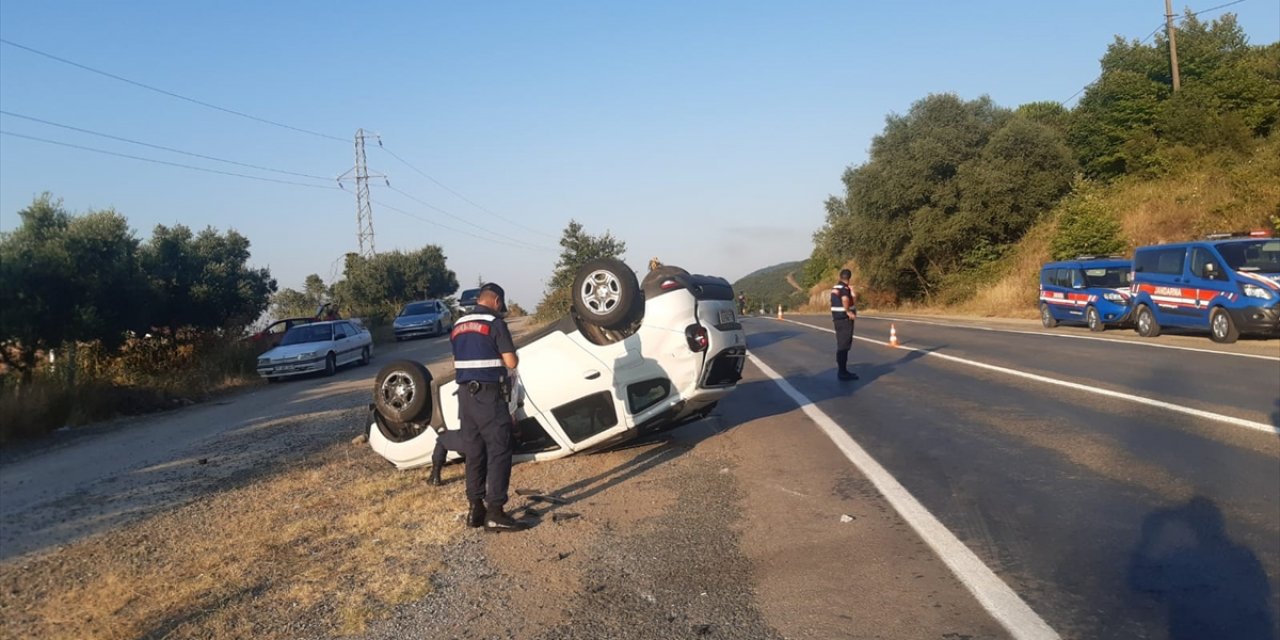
[
  {"x": 1217, "y": 193},
  {"x": 332, "y": 542}
]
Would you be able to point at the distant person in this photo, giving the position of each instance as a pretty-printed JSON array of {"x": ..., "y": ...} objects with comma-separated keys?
[
  {"x": 843, "y": 316},
  {"x": 484, "y": 357},
  {"x": 742, "y": 304}
]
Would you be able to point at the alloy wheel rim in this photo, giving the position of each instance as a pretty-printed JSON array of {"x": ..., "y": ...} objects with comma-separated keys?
[
  {"x": 1219, "y": 325},
  {"x": 601, "y": 292},
  {"x": 398, "y": 390}
]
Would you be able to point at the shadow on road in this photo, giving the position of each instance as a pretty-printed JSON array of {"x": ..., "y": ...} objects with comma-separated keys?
[{"x": 1209, "y": 586}]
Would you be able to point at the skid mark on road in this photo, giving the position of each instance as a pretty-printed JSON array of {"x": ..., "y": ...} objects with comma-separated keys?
[
  {"x": 991, "y": 592},
  {"x": 1119, "y": 395}
]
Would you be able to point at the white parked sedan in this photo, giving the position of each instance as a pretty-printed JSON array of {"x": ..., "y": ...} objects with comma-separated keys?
[
  {"x": 318, "y": 346},
  {"x": 628, "y": 360}
]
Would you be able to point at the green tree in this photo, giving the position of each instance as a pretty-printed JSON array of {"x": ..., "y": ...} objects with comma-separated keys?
[
  {"x": 1086, "y": 226},
  {"x": 66, "y": 278},
  {"x": 203, "y": 280},
  {"x": 376, "y": 287},
  {"x": 291, "y": 303},
  {"x": 577, "y": 247}
]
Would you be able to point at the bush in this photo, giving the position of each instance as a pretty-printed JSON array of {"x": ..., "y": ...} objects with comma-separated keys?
[
  {"x": 555, "y": 305},
  {"x": 1086, "y": 226}
]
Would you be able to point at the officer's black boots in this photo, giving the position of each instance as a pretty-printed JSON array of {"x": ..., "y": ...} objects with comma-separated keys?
[
  {"x": 497, "y": 520},
  {"x": 434, "y": 479},
  {"x": 475, "y": 516},
  {"x": 847, "y": 375}
]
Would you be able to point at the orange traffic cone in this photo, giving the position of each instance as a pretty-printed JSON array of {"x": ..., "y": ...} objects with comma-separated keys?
[
  {"x": 779, "y": 312},
  {"x": 893, "y": 335}
]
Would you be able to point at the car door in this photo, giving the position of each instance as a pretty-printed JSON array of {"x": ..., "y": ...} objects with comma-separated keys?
[
  {"x": 1205, "y": 273},
  {"x": 342, "y": 342},
  {"x": 1162, "y": 274},
  {"x": 572, "y": 390}
]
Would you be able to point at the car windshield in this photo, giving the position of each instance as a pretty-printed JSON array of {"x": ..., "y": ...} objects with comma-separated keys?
[
  {"x": 418, "y": 309},
  {"x": 1109, "y": 277},
  {"x": 308, "y": 333},
  {"x": 1254, "y": 255},
  {"x": 469, "y": 294}
]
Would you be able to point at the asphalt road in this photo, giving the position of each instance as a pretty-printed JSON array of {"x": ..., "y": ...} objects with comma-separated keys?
[{"x": 1109, "y": 516}]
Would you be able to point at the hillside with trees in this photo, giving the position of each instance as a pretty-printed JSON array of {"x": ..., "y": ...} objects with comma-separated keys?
[
  {"x": 771, "y": 286},
  {"x": 959, "y": 197}
]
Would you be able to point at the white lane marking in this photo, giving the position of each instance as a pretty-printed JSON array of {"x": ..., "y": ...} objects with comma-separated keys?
[
  {"x": 1067, "y": 335},
  {"x": 991, "y": 592},
  {"x": 1150, "y": 402}
]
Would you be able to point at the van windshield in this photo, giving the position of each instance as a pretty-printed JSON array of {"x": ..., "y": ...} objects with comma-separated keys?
[
  {"x": 1109, "y": 277},
  {"x": 1254, "y": 255}
]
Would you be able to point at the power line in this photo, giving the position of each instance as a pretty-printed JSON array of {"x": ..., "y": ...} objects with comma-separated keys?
[
  {"x": 161, "y": 147},
  {"x": 165, "y": 162},
  {"x": 169, "y": 93},
  {"x": 1140, "y": 43},
  {"x": 463, "y": 220},
  {"x": 1221, "y": 6},
  {"x": 445, "y": 226},
  {"x": 459, "y": 195}
]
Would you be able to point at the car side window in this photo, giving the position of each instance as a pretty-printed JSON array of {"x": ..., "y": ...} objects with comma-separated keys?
[
  {"x": 585, "y": 417},
  {"x": 1169, "y": 261},
  {"x": 1062, "y": 278},
  {"x": 645, "y": 394},
  {"x": 1200, "y": 259},
  {"x": 1077, "y": 278},
  {"x": 339, "y": 332}
]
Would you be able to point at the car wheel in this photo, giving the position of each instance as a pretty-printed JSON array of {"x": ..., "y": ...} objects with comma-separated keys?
[
  {"x": 272, "y": 380},
  {"x": 330, "y": 364},
  {"x": 606, "y": 294},
  {"x": 1147, "y": 325},
  {"x": 365, "y": 356},
  {"x": 397, "y": 431},
  {"x": 1046, "y": 317},
  {"x": 1094, "y": 319},
  {"x": 439, "y": 328},
  {"x": 402, "y": 392},
  {"x": 1222, "y": 328}
]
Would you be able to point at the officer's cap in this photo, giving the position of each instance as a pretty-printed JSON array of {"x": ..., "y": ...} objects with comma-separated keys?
[{"x": 497, "y": 290}]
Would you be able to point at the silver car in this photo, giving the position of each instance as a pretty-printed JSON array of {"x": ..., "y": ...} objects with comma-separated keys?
[
  {"x": 318, "y": 346},
  {"x": 425, "y": 318}
]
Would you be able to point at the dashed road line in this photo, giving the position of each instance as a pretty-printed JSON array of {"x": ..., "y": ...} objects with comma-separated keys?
[
  {"x": 1152, "y": 345},
  {"x": 991, "y": 592},
  {"x": 1119, "y": 395}
]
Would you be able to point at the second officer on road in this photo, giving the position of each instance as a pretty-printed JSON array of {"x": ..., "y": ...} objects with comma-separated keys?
[
  {"x": 843, "y": 316},
  {"x": 485, "y": 360}
]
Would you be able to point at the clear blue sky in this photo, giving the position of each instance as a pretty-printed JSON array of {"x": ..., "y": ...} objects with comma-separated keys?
[{"x": 707, "y": 134}]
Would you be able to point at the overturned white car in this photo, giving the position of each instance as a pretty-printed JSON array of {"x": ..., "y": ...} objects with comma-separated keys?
[{"x": 629, "y": 359}]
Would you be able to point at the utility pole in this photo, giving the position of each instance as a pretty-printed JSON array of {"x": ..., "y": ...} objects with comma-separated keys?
[
  {"x": 364, "y": 212},
  {"x": 1173, "y": 44}
]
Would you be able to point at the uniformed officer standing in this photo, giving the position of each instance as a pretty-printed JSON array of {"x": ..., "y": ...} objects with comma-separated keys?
[
  {"x": 484, "y": 358},
  {"x": 843, "y": 315}
]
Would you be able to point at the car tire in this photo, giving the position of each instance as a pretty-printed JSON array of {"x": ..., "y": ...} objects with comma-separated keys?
[
  {"x": 330, "y": 364},
  {"x": 1046, "y": 317},
  {"x": 606, "y": 294},
  {"x": 402, "y": 392},
  {"x": 1094, "y": 319},
  {"x": 439, "y": 328},
  {"x": 1145, "y": 322},
  {"x": 272, "y": 379},
  {"x": 365, "y": 356},
  {"x": 1221, "y": 327}
]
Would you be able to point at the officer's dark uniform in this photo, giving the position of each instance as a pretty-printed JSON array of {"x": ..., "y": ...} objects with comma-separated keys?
[
  {"x": 844, "y": 328},
  {"x": 479, "y": 340}
]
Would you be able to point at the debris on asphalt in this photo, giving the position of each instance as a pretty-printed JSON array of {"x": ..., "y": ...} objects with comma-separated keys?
[
  {"x": 360, "y": 439},
  {"x": 202, "y": 461},
  {"x": 846, "y": 518},
  {"x": 567, "y": 515},
  {"x": 538, "y": 497},
  {"x": 528, "y": 492}
]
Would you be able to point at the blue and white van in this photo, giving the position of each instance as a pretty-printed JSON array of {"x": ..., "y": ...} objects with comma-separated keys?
[
  {"x": 1226, "y": 284},
  {"x": 1089, "y": 290}
]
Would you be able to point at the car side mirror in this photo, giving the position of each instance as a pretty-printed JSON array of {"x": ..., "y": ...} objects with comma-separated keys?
[{"x": 339, "y": 335}]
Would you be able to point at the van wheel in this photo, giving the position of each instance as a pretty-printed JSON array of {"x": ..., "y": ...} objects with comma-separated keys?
[
  {"x": 1222, "y": 328},
  {"x": 1095, "y": 320},
  {"x": 1046, "y": 317},
  {"x": 402, "y": 392},
  {"x": 1148, "y": 326},
  {"x": 606, "y": 294}
]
